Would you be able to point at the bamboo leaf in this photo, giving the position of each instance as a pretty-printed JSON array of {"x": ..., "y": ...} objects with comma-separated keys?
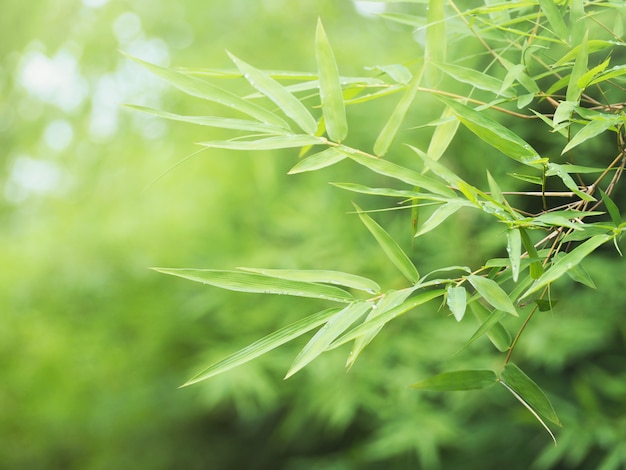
[
  {"x": 590, "y": 130},
  {"x": 494, "y": 133},
  {"x": 529, "y": 391},
  {"x": 514, "y": 249},
  {"x": 258, "y": 283},
  {"x": 390, "y": 247},
  {"x": 564, "y": 264},
  {"x": 440, "y": 215},
  {"x": 576, "y": 21},
  {"x": 210, "y": 121},
  {"x": 475, "y": 78},
  {"x": 456, "y": 299},
  {"x": 320, "y": 276},
  {"x": 267, "y": 143},
  {"x": 331, "y": 95},
  {"x": 458, "y": 381},
  {"x": 443, "y": 134},
  {"x": 386, "y": 136},
  {"x": 611, "y": 208},
  {"x": 436, "y": 37},
  {"x": 491, "y": 326},
  {"x": 387, "y": 168},
  {"x": 555, "y": 18},
  {"x": 568, "y": 181},
  {"x": 287, "y": 102},
  {"x": 336, "y": 325},
  {"x": 536, "y": 268},
  {"x": 493, "y": 294},
  {"x": 318, "y": 161},
  {"x": 264, "y": 345},
  {"x": 580, "y": 67},
  {"x": 205, "y": 90}
]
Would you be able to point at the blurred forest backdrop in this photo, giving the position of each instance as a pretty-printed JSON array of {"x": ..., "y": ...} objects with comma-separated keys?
[{"x": 93, "y": 345}]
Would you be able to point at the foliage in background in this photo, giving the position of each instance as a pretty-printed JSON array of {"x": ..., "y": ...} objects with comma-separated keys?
[{"x": 95, "y": 346}]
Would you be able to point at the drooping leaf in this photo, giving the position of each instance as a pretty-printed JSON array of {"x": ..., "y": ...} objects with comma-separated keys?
[
  {"x": 475, "y": 78},
  {"x": 403, "y": 193},
  {"x": 335, "y": 326},
  {"x": 211, "y": 121},
  {"x": 266, "y": 143},
  {"x": 386, "y": 136},
  {"x": 437, "y": 168},
  {"x": 258, "y": 283},
  {"x": 571, "y": 259},
  {"x": 391, "y": 248},
  {"x": 320, "y": 276},
  {"x": 494, "y": 133},
  {"x": 611, "y": 208},
  {"x": 317, "y": 161},
  {"x": 287, "y": 102},
  {"x": 492, "y": 293},
  {"x": 514, "y": 248},
  {"x": 264, "y": 345},
  {"x": 491, "y": 326},
  {"x": 529, "y": 391},
  {"x": 331, "y": 94},
  {"x": 458, "y": 381},
  {"x": 389, "y": 301},
  {"x": 579, "y": 274},
  {"x": 536, "y": 268},
  {"x": 205, "y": 90},
  {"x": 387, "y": 168},
  {"x": 456, "y": 298},
  {"x": 568, "y": 181}
]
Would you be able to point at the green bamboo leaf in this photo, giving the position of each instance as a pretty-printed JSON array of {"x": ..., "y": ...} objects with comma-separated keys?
[
  {"x": 287, "y": 102},
  {"x": 210, "y": 121},
  {"x": 496, "y": 192},
  {"x": 491, "y": 326},
  {"x": 574, "y": 91},
  {"x": 458, "y": 381},
  {"x": 517, "y": 72},
  {"x": 529, "y": 391},
  {"x": 335, "y": 326},
  {"x": 514, "y": 249},
  {"x": 331, "y": 95},
  {"x": 568, "y": 181},
  {"x": 536, "y": 268},
  {"x": 320, "y": 276},
  {"x": 387, "y": 168},
  {"x": 576, "y": 21},
  {"x": 441, "y": 214},
  {"x": 611, "y": 208},
  {"x": 443, "y": 134},
  {"x": 264, "y": 345},
  {"x": 403, "y": 193},
  {"x": 390, "y": 300},
  {"x": 475, "y": 78},
  {"x": 390, "y": 130},
  {"x": 590, "y": 130},
  {"x": 376, "y": 323},
  {"x": 205, "y": 90},
  {"x": 398, "y": 72},
  {"x": 494, "y": 133},
  {"x": 555, "y": 18},
  {"x": 436, "y": 37},
  {"x": 318, "y": 161},
  {"x": 564, "y": 264},
  {"x": 257, "y": 283},
  {"x": 578, "y": 273},
  {"x": 437, "y": 168},
  {"x": 586, "y": 78},
  {"x": 267, "y": 143},
  {"x": 390, "y": 247},
  {"x": 456, "y": 299},
  {"x": 613, "y": 72},
  {"x": 492, "y": 293}
]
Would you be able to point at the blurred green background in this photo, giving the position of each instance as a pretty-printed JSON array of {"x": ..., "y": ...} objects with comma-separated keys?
[{"x": 93, "y": 345}]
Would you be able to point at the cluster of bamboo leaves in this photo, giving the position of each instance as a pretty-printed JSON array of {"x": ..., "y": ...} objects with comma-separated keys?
[{"x": 573, "y": 75}]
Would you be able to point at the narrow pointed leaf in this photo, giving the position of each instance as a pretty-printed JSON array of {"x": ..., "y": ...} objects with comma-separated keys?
[
  {"x": 205, "y": 90},
  {"x": 475, "y": 78},
  {"x": 555, "y": 18},
  {"x": 494, "y": 133},
  {"x": 436, "y": 37},
  {"x": 580, "y": 67},
  {"x": 288, "y": 103},
  {"x": 492, "y": 293},
  {"x": 318, "y": 161},
  {"x": 568, "y": 181},
  {"x": 320, "y": 276},
  {"x": 387, "y": 168},
  {"x": 530, "y": 392},
  {"x": 258, "y": 283},
  {"x": 335, "y": 326},
  {"x": 514, "y": 248},
  {"x": 440, "y": 215},
  {"x": 267, "y": 143},
  {"x": 458, "y": 381},
  {"x": 536, "y": 268},
  {"x": 331, "y": 94},
  {"x": 264, "y": 345},
  {"x": 390, "y": 247},
  {"x": 590, "y": 130},
  {"x": 443, "y": 135},
  {"x": 390, "y": 130},
  {"x": 564, "y": 264},
  {"x": 611, "y": 208},
  {"x": 457, "y": 301},
  {"x": 491, "y": 326},
  {"x": 211, "y": 121},
  {"x": 576, "y": 21}
]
